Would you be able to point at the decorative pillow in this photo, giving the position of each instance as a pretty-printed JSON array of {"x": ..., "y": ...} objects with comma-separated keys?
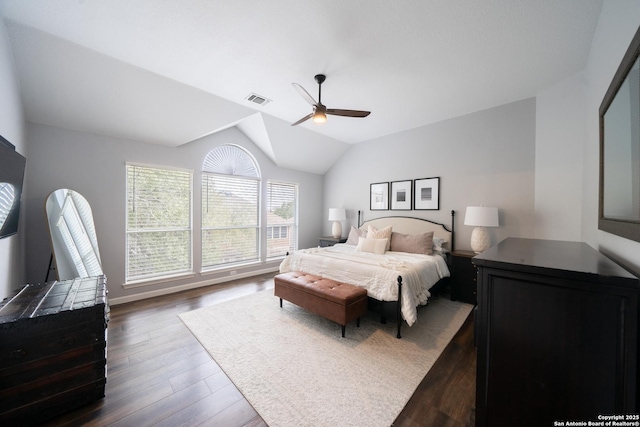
[
  {"x": 437, "y": 243},
  {"x": 354, "y": 235},
  {"x": 383, "y": 233},
  {"x": 375, "y": 246},
  {"x": 413, "y": 243}
]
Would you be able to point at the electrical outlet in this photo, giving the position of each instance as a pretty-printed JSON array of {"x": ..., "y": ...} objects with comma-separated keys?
[{"x": 233, "y": 273}]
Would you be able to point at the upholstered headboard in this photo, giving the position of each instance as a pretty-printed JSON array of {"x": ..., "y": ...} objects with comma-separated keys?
[{"x": 409, "y": 225}]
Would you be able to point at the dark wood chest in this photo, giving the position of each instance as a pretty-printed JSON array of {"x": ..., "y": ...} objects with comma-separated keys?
[
  {"x": 52, "y": 349},
  {"x": 557, "y": 334}
]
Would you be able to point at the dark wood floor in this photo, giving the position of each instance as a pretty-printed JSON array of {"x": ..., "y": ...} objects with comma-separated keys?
[{"x": 160, "y": 375}]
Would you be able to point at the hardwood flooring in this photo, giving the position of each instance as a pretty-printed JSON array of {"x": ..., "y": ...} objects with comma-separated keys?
[{"x": 158, "y": 374}]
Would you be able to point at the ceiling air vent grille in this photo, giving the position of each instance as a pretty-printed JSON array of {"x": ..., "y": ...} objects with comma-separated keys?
[{"x": 257, "y": 99}]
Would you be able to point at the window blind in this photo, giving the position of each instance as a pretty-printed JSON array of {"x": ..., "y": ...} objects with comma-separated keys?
[
  {"x": 158, "y": 222},
  {"x": 282, "y": 218},
  {"x": 230, "y": 220}
]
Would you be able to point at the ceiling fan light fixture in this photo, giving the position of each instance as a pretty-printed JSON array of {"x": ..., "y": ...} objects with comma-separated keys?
[
  {"x": 319, "y": 117},
  {"x": 320, "y": 111}
]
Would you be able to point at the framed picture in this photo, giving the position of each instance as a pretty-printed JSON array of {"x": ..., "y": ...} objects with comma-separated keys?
[
  {"x": 426, "y": 194},
  {"x": 379, "y": 196},
  {"x": 401, "y": 195}
]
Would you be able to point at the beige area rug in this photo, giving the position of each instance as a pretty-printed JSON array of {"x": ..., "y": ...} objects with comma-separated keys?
[{"x": 296, "y": 370}]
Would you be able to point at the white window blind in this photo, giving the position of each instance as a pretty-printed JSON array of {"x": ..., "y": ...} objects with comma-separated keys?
[
  {"x": 230, "y": 220},
  {"x": 158, "y": 222},
  {"x": 282, "y": 218},
  {"x": 230, "y": 208}
]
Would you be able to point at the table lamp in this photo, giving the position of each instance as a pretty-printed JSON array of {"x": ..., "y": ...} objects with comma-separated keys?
[
  {"x": 336, "y": 215},
  {"x": 481, "y": 217}
]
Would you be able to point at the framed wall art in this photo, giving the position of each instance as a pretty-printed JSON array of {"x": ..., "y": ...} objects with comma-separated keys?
[
  {"x": 426, "y": 194},
  {"x": 401, "y": 195},
  {"x": 379, "y": 196}
]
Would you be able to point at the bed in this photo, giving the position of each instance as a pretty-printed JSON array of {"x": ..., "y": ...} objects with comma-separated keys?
[{"x": 403, "y": 271}]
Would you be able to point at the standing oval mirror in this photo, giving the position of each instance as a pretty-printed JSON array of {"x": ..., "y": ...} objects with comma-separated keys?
[
  {"x": 619, "y": 206},
  {"x": 73, "y": 235}
]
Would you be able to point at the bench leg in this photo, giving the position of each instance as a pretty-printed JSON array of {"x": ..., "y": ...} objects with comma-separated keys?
[
  {"x": 280, "y": 302},
  {"x": 358, "y": 322},
  {"x": 343, "y": 331}
]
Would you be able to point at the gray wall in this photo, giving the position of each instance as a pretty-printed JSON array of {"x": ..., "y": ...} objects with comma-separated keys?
[
  {"x": 94, "y": 166},
  {"x": 485, "y": 158},
  {"x": 12, "y": 255}
]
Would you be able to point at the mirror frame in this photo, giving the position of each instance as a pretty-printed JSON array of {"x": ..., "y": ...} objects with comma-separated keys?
[{"x": 623, "y": 228}]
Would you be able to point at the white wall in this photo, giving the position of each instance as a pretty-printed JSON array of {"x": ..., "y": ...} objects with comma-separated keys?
[
  {"x": 485, "y": 158},
  {"x": 619, "y": 21},
  {"x": 94, "y": 166},
  {"x": 12, "y": 263},
  {"x": 560, "y": 136}
]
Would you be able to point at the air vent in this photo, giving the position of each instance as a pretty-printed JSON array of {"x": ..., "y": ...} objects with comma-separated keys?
[{"x": 257, "y": 99}]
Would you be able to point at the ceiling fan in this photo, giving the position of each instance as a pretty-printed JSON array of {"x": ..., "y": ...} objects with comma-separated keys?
[{"x": 320, "y": 111}]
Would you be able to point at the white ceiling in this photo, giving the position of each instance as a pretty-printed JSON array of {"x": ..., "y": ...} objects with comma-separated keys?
[{"x": 169, "y": 72}]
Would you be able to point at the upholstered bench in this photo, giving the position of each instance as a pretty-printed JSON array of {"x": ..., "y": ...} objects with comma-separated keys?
[{"x": 339, "y": 302}]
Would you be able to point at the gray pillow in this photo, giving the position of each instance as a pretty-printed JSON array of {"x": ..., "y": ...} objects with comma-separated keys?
[{"x": 412, "y": 243}]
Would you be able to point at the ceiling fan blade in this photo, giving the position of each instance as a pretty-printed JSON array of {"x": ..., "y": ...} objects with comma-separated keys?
[
  {"x": 304, "y": 94},
  {"x": 305, "y": 118},
  {"x": 348, "y": 113}
]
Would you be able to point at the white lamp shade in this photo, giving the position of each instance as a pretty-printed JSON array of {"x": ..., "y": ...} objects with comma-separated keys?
[
  {"x": 337, "y": 214},
  {"x": 481, "y": 216}
]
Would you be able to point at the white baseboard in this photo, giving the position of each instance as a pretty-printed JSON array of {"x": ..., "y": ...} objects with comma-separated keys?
[{"x": 175, "y": 289}]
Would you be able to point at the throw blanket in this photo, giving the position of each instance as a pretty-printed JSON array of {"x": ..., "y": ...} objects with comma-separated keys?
[{"x": 377, "y": 273}]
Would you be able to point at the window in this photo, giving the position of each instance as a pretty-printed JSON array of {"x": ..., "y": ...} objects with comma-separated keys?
[
  {"x": 282, "y": 218},
  {"x": 158, "y": 222},
  {"x": 230, "y": 208}
]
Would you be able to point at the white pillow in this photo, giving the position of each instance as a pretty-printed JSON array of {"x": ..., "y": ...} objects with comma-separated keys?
[
  {"x": 437, "y": 243},
  {"x": 383, "y": 233},
  {"x": 354, "y": 235},
  {"x": 374, "y": 246}
]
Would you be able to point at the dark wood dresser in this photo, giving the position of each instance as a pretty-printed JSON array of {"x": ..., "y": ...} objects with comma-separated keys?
[
  {"x": 557, "y": 334},
  {"x": 52, "y": 349}
]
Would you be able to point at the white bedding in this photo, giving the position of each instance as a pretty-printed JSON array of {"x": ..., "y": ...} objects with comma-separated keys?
[{"x": 377, "y": 273}]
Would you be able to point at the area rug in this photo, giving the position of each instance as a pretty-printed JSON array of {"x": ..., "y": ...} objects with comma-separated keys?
[{"x": 296, "y": 369}]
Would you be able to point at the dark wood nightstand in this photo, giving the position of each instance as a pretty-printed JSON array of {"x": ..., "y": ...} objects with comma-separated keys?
[
  {"x": 464, "y": 276},
  {"x": 323, "y": 242}
]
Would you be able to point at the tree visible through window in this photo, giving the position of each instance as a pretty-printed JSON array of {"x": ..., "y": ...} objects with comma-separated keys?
[{"x": 158, "y": 222}]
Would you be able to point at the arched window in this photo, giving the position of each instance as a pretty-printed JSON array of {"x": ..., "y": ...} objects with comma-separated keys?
[{"x": 230, "y": 208}]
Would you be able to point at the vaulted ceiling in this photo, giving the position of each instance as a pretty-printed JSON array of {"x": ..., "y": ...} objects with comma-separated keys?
[{"x": 169, "y": 72}]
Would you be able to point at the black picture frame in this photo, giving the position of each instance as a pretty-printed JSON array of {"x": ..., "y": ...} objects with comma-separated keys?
[
  {"x": 379, "y": 196},
  {"x": 426, "y": 194},
  {"x": 401, "y": 195}
]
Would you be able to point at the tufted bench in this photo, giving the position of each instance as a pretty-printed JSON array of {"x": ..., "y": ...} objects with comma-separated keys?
[{"x": 339, "y": 302}]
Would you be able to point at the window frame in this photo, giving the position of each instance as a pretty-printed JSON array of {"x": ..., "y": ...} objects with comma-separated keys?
[
  {"x": 233, "y": 162},
  {"x": 295, "y": 225},
  {"x": 154, "y": 278}
]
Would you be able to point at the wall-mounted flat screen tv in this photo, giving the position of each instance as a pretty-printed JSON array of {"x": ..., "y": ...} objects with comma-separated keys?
[{"x": 12, "y": 167}]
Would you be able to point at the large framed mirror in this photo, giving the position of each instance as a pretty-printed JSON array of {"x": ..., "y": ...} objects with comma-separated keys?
[
  {"x": 73, "y": 235},
  {"x": 619, "y": 204}
]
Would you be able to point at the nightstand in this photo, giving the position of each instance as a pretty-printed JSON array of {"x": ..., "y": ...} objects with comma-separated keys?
[
  {"x": 464, "y": 276},
  {"x": 323, "y": 242}
]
